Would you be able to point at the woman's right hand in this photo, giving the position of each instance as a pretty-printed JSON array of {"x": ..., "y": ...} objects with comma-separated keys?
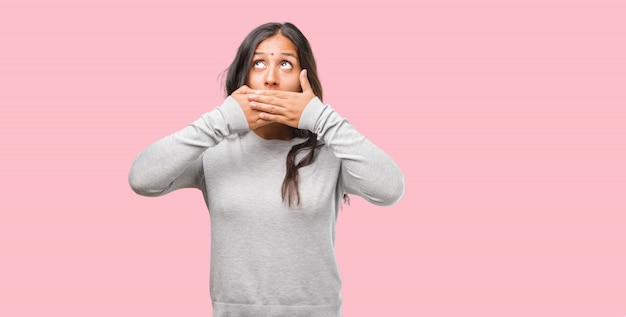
[{"x": 252, "y": 116}]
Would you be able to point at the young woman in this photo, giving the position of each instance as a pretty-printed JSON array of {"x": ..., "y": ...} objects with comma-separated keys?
[{"x": 273, "y": 163}]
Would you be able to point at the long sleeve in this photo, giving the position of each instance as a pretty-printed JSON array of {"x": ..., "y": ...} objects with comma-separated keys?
[
  {"x": 366, "y": 170},
  {"x": 175, "y": 161}
]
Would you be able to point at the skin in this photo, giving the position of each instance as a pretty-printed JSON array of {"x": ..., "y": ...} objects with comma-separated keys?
[{"x": 273, "y": 101}]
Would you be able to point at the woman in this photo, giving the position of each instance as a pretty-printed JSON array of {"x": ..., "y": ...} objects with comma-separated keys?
[{"x": 273, "y": 163}]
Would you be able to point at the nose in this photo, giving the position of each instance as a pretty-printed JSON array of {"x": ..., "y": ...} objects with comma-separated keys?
[{"x": 271, "y": 79}]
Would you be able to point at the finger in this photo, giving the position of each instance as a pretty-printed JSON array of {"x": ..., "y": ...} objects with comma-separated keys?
[
  {"x": 266, "y": 108},
  {"x": 269, "y": 117},
  {"x": 242, "y": 90},
  {"x": 304, "y": 81},
  {"x": 277, "y": 118},
  {"x": 258, "y": 122},
  {"x": 273, "y": 100},
  {"x": 276, "y": 93}
]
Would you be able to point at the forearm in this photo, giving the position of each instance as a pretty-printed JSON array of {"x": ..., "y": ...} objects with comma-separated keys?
[
  {"x": 165, "y": 165},
  {"x": 367, "y": 170}
]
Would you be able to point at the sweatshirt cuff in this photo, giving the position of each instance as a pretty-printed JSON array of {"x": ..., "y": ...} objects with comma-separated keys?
[
  {"x": 234, "y": 116},
  {"x": 311, "y": 114}
]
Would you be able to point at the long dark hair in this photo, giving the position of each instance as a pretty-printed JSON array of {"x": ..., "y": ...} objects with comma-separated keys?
[{"x": 237, "y": 76}]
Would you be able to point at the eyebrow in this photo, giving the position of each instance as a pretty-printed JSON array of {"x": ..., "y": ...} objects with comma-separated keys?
[{"x": 283, "y": 53}]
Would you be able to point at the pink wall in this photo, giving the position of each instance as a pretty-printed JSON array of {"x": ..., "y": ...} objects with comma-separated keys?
[{"x": 507, "y": 117}]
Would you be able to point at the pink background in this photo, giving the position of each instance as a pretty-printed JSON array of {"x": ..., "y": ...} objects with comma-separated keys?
[{"x": 507, "y": 117}]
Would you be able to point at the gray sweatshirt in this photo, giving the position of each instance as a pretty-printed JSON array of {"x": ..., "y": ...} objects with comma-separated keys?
[{"x": 269, "y": 259}]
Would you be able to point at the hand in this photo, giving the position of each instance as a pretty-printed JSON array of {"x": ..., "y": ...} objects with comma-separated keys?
[
  {"x": 252, "y": 116},
  {"x": 282, "y": 106}
]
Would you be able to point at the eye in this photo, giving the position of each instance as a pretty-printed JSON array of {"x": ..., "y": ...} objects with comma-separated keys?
[
  {"x": 286, "y": 65},
  {"x": 258, "y": 64}
]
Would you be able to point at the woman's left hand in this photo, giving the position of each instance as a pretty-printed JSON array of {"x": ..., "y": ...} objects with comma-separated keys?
[{"x": 282, "y": 106}]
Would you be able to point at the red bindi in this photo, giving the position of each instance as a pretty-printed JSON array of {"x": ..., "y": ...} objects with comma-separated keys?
[{"x": 272, "y": 54}]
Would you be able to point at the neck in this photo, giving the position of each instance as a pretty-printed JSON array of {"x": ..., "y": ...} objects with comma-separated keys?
[{"x": 274, "y": 131}]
